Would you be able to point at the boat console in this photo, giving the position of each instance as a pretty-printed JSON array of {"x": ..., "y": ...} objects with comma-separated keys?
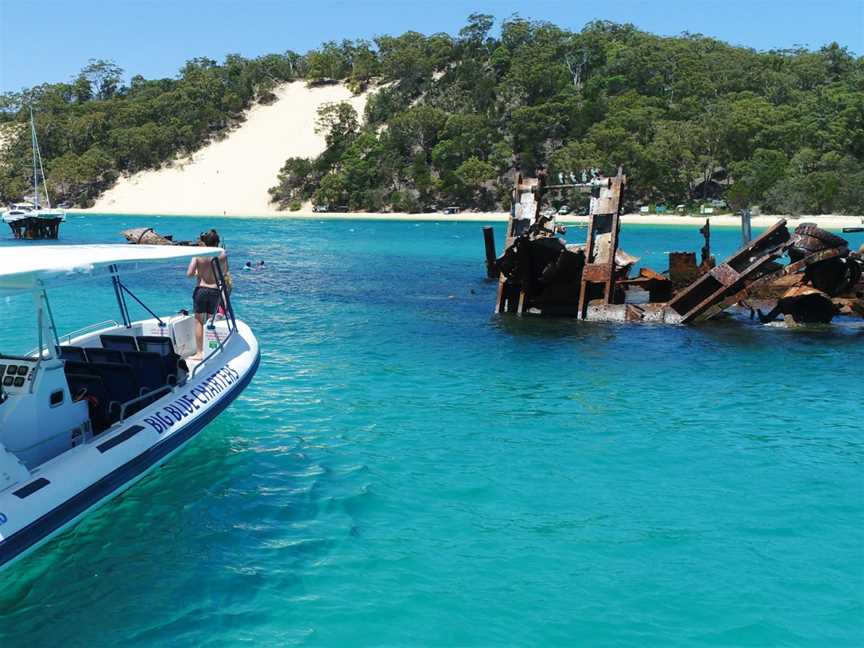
[
  {"x": 38, "y": 418},
  {"x": 83, "y": 391},
  {"x": 16, "y": 374}
]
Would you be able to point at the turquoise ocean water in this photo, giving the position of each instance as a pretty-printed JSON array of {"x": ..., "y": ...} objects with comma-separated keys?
[{"x": 408, "y": 469}]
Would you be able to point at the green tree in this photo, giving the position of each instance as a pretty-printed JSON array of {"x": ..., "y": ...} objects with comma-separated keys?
[
  {"x": 328, "y": 64},
  {"x": 338, "y": 123},
  {"x": 753, "y": 178},
  {"x": 474, "y": 172}
]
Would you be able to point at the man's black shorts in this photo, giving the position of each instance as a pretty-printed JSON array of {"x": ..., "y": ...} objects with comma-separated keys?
[{"x": 205, "y": 300}]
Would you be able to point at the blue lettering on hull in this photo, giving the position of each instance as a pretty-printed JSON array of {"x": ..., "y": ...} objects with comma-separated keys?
[{"x": 176, "y": 411}]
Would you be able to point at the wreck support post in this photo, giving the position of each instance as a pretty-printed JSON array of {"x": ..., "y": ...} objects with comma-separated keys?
[
  {"x": 489, "y": 240},
  {"x": 705, "y": 231},
  {"x": 746, "y": 231},
  {"x": 604, "y": 219}
]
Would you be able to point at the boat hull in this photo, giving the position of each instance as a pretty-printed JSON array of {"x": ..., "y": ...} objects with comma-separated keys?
[
  {"x": 35, "y": 228},
  {"x": 30, "y": 515}
]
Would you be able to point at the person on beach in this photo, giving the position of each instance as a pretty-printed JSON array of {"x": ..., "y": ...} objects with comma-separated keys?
[{"x": 206, "y": 296}]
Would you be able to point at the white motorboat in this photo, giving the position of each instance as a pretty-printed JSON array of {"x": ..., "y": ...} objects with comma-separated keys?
[
  {"x": 85, "y": 415},
  {"x": 30, "y": 219},
  {"x": 21, "y": 210}
]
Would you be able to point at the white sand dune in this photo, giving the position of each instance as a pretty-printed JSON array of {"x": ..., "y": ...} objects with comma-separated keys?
[{"x": 232, "y": 176}]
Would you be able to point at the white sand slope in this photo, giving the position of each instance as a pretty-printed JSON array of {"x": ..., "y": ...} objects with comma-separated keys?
[{"x": 232, "y": 176}]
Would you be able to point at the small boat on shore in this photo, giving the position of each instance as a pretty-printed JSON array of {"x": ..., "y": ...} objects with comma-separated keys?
[
  {"x": 30, "y": 220},
  {"x": 87, "y": 414}
]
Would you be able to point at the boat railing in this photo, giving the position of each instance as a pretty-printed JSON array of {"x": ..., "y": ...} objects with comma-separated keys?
[
  {"x": 142, "y": 397},
  {"x": 67, "y": 337}
]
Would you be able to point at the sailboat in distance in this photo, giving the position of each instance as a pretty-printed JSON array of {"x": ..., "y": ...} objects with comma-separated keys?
[{"x": 29, "y": 219}]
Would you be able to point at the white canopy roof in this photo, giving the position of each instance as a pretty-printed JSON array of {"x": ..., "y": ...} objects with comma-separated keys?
[{"x": 31, "y": 267}]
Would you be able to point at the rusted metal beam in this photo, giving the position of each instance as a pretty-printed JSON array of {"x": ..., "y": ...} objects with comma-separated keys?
[{"x": 731, "y": 276}]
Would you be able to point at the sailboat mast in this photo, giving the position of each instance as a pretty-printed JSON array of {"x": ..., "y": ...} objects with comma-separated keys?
[
  {"x": 33, "y": 145},
  {"x": 37, "y": 155}
]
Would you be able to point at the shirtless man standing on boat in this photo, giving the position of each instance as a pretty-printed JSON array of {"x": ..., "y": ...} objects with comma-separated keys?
[{"x": 205, "y": 298}]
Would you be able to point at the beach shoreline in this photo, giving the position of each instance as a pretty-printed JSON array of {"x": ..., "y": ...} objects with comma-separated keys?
[{"x": 831, "y": 221}]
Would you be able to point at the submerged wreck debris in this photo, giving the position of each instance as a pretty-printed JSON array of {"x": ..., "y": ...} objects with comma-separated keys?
[
  {"x": 149, "y": 236},
  {"x": 823, "y": 279},
  {"x": 541, "y": 274}
]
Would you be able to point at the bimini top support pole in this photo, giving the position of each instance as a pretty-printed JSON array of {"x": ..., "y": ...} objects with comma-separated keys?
[
  {"x": 126, "y": 290},
  {"x": 118, "y": 293},
  {"x": 51, "y": 322}
]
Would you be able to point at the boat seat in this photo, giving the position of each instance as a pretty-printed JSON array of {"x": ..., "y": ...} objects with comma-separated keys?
[
  {"x": 72, "y": 353},
  {"x": 156, "y": 344},
  {"x": 76, "y": 367},
  {"x": 92, "y": 388},
  {"x": 165, "y": 348},
  {"x": 118, "y": 342},
  {"x": 120, "y": 383},
  {"x": 105, "y": 355},
  {"x": 149, "y": 369}
]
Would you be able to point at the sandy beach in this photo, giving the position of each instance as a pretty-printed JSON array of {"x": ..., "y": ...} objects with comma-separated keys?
[
  {"x": 231, "y": 176},
  {"x": 829, "y": 221}
]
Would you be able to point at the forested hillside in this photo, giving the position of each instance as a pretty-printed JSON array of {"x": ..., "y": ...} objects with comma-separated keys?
[
  {"x": 94, "y": 128},
  {"x": 452, "y": 118}
]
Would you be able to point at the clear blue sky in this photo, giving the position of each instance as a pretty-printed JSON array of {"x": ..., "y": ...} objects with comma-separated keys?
[{"x": 155, "y": 37}]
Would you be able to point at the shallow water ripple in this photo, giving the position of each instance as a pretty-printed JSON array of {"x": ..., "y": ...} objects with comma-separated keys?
[{"x": 407, "y": 469}]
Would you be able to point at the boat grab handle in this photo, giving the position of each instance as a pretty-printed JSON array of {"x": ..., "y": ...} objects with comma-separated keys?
[{"x": 123, "y": 406}]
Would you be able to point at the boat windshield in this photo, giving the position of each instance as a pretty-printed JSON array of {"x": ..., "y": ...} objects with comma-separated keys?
[{"x": 18, "y": 334}]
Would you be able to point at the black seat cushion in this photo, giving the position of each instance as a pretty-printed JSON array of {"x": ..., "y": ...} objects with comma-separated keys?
[
  {"x": 105, "y": 355},
  {"x": 164, "y": 347},
  {"x": 72, "y": 353},
  {"x": 156, "y": 344},
  {"x": 118, "y": 342},
  {"x": 120, "y": 383},
  {"x": 75, "y": 367},
  {"x": 149, "y": 369}
]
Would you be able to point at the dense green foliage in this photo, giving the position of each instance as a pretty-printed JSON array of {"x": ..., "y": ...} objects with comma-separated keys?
[
  {"x": 94, "y": 128},
  {"x": 687, "y": 117},
  {"x": 451, "y": 119}
]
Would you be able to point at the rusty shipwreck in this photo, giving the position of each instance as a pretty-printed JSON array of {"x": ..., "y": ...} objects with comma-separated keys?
[{"x": 539, "y": 273}]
